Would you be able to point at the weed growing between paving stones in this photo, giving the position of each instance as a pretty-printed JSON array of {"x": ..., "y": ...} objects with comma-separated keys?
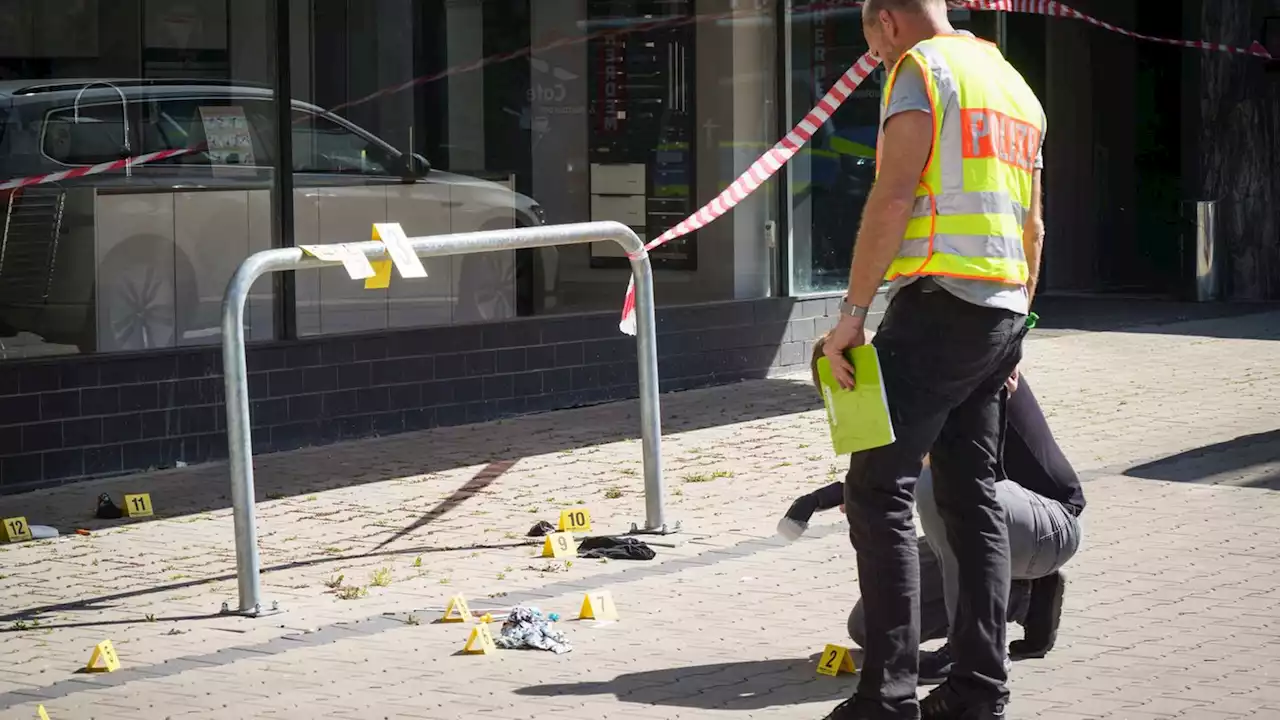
[
  {"x": 417, "y": 562},
  {"x": 707, "y": 477},
  {"x": 381, "y": 577},
  {"x": 412, "y": 620},
  {"x": 613, "y": 493},
  {"x": 334, "y": 582},
  {"x": 151, "y": 617},
  {"x": 351, "y": 592}
]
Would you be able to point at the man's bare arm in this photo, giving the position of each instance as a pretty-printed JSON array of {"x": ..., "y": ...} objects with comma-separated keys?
[
  {"x": 904, "y": 151},
  {"x": 1033, "y": 235},
  {"x": 905, "y": 148}
]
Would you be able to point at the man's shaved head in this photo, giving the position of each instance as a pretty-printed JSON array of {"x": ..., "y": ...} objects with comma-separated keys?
[
  {"x": 893, "y": 26},
  {"x": 873, "y": 7}
]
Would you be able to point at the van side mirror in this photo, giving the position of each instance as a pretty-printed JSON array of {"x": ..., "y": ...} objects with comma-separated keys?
[{"x": 411, "y": 167}]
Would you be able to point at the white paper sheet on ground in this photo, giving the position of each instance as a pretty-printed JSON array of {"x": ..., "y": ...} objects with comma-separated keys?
[
  {"x": 356, "y": 263},
  {"x": 398, "y": 247}
]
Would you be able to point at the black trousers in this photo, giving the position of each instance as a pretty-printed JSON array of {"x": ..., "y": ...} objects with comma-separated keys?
[{"x": 944, "y": 363}]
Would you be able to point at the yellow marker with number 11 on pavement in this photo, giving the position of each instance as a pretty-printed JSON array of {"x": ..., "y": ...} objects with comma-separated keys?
[
  {"x": 15, "y": 529},
  {"x": 835, "y": 660},
  {"x": 137, "y": 505},
  {"x": 575, "y": 520}
]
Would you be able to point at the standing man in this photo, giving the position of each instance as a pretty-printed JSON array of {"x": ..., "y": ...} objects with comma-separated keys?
[{"x": 954, "y": 222}]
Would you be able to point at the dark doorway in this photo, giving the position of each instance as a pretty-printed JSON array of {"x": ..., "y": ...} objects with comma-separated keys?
[{"x": 1152, "y": 259}]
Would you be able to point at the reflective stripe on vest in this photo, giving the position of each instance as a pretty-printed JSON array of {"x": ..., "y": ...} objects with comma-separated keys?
[{"x": 975, "y": 192}]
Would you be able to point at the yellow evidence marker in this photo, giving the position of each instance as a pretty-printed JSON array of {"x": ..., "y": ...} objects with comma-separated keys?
[
  {"x": 575, "y": 520},
  {"x": 480, "y": 642},
  {"x": 598, "y": 606},
  {"x": 558, "y": 545},
  {"x": 15, "y": 529},
  {"x": 835, "y": 660},
  {"x": 40, "y": 713},
  {"x": 457, "y": 604},
  {"x": 137, "y": 505},
  {"x": 107, "y": 653}
]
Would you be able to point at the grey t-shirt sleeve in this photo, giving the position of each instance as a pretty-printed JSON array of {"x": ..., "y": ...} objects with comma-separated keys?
[
  {"x": 908, "y": 92},
  {"x": 1039, "y": 163}
]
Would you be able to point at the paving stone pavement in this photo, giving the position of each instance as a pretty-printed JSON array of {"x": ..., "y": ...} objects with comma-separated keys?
[{"x": 1173, "y": 609}]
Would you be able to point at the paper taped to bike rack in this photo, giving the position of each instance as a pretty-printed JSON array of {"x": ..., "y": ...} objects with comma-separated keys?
[
  {"x": 407, "y": 262},
  {"x": 354, "y": 261}
]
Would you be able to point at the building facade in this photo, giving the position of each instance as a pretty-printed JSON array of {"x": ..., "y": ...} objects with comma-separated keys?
[{"x": 144, "y": 144}]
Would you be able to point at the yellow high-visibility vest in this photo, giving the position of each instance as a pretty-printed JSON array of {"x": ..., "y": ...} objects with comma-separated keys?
[{"x": 975, "y": 192}]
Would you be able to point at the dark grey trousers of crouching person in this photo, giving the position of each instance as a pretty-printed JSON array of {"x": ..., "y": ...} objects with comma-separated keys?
[
  {"x": 944, "y": 363},
  {"x": 1043, "y": 536}
]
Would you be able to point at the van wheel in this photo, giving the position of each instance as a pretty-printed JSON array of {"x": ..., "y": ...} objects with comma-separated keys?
[
  {"x": 138, "y": 296},
  {"x": 486, "y": 285}
]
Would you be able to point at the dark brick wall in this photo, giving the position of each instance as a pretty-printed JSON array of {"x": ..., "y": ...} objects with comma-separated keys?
[{"x": 80, "y": 417}]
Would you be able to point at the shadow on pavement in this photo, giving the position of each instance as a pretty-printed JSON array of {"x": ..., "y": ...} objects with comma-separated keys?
[
  {"x": 1247, "y": 461},
  {"x": 1062, "y": 314},
  {"x": 752, "y": 685},
  {"x": 105, "y": 602},
  {"x": 495, "y": 447}
]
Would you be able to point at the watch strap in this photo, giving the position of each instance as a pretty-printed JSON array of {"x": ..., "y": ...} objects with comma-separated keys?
[{"x": 857, "y": 312}]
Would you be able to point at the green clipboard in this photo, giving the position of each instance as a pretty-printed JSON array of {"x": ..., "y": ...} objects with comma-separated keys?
[{"x": 858, "y": 418}]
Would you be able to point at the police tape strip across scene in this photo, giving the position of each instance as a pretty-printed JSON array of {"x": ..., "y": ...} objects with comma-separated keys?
[{"x": 772, "y": 161}]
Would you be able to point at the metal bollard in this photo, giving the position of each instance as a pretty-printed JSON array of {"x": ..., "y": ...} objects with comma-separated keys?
[
  {"x": 1203, "y": 253},
  {"x": 235, "y": 372}
]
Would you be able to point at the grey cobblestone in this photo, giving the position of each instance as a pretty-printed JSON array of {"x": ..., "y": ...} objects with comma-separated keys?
[{"x": 1172, "y": 610}]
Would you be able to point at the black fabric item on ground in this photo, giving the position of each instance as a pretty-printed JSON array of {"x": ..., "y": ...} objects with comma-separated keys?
[
  {"x": 615, "y": 548},
  {"x": 541, "y": 529},
  {"x": 107, "y": 510}
]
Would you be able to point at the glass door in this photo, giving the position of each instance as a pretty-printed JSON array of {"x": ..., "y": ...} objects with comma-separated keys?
[{"x": 831, "y": 177}]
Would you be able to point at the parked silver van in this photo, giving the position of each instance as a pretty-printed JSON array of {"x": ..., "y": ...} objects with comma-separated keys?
[{"x": 139, "y": 257}]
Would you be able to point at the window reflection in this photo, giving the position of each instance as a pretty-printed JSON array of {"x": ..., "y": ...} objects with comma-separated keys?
[{"x": 104, "y": 249}]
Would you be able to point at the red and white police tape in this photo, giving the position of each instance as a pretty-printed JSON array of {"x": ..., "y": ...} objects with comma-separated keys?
[
  {"x": 98, "y": 169},
  {"x": 772, "y": 161}
]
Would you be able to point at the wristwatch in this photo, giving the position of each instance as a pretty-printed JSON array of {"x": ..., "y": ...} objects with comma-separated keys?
[{"x": 857, "y": 312}]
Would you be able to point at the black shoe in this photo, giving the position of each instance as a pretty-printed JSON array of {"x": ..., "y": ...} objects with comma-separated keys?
[
  {"x": 945, "y": 704},
  {"x": 1043, "y": 615},
  {"x": 850, "y": 709},
  {"x": 796, "y": 521},
  {"x": 107, "y": 510},
  {"x": 935, "y": 666}
]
